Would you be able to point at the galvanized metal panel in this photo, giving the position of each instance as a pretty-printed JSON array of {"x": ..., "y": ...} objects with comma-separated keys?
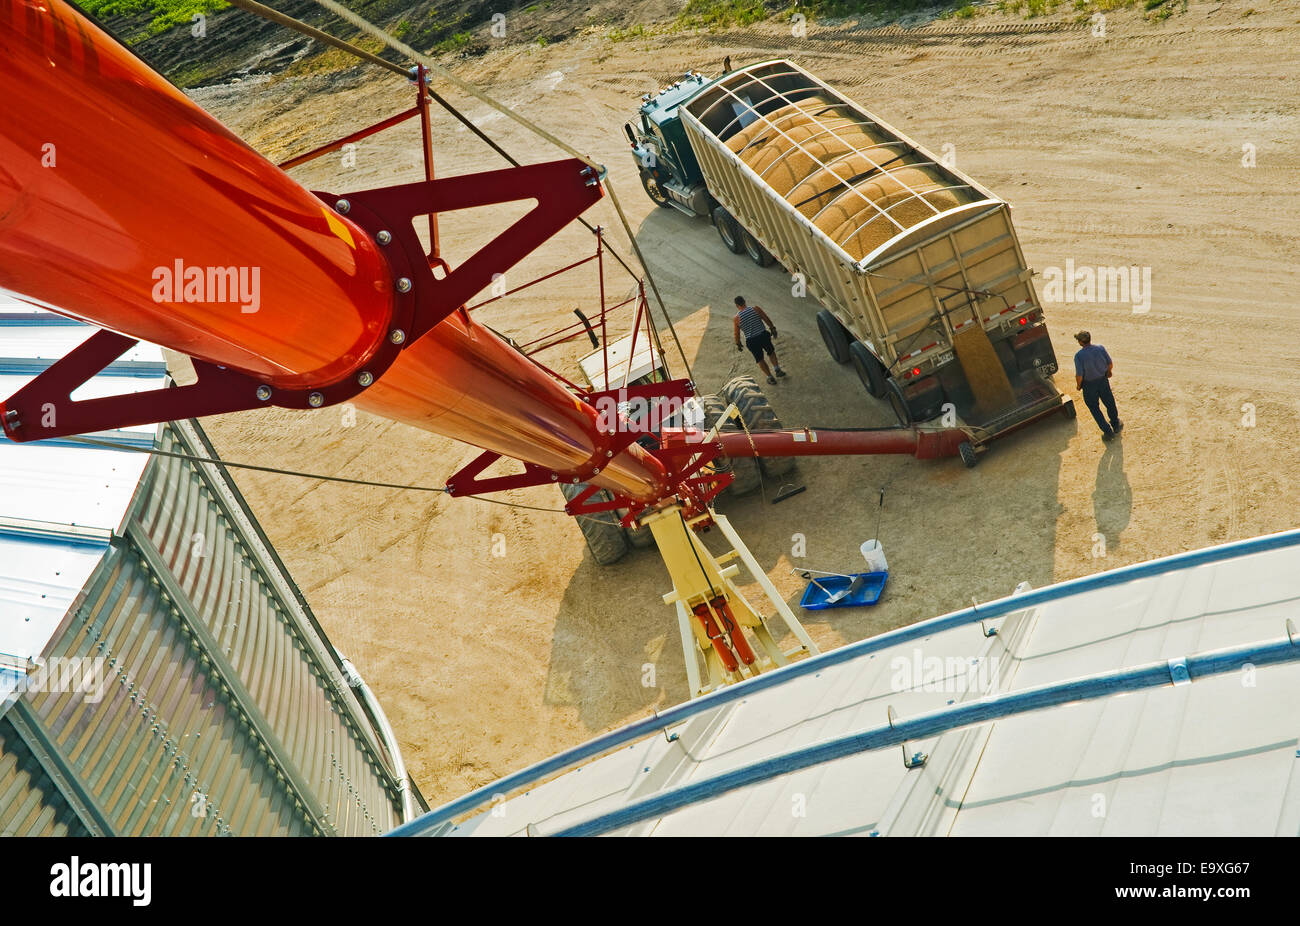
[
  {"x": 165, "y": 751},
  {"x": 226, "y": 709},
  {"x": 31, "y": 804},
  {"x": 185, "y": 517}
]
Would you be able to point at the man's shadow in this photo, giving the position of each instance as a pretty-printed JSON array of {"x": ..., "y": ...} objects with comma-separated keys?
[{"x": 1112, "y": 498}]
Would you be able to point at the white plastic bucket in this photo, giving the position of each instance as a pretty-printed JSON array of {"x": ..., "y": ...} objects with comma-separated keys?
[{"x": 874, "y": 554}]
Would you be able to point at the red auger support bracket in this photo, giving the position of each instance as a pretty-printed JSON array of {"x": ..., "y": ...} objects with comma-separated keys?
[
  {"x": 562, "y": 189},
  {"x": 44, "y": 408},
  {"x": 466, "y": 480}
]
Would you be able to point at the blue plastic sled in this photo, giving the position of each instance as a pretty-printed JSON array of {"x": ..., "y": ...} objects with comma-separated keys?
[{"x": 864, "y": 588}]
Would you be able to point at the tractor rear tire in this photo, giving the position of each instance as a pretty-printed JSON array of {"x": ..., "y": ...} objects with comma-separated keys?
[
  {"x": 870, "y": 370},
  {"x": 758, "y": 415},
  {"x": 728, "y": 230},
  {"x": 757, "y": 253},
  {"x": 744, "y": 471},
  {"x": 604, "y": 535},
  {"x": 834, "y": 335}
]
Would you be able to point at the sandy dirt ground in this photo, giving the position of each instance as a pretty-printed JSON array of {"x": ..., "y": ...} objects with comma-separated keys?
[{"x": 1117, "y": 150}]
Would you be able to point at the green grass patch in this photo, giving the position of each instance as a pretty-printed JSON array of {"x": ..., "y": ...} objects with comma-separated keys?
[
  {"x": 880, "y": 9},
  {"x": 1154, "y": 10},
  {"x": 721, "y": 14},
  {"x": 159, "y": 15},
  {"x": 636, "y": 32}
]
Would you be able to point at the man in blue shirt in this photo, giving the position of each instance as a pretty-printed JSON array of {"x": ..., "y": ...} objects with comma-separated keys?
[{"x": 1092, "y": 367}]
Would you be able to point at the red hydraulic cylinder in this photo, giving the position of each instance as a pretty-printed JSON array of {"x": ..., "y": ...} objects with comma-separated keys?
[{"x": 124, "y": 204}]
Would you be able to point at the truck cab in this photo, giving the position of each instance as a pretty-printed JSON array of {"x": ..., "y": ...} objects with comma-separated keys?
[{"x": 669, "y": 171}]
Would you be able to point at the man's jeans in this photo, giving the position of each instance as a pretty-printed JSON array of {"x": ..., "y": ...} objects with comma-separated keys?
[{"x": 1096, "y": 392}]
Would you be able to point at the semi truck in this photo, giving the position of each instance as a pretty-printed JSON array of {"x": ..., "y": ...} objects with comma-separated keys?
[{"x": 914, "y": 271}]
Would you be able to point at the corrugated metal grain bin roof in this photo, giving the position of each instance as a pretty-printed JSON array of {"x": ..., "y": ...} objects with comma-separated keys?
[
  {"x": 1157, "y": 699},
  {"x": 164, "y": 676}
]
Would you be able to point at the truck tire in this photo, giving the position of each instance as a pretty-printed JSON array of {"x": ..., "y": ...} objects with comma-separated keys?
[
  {"x": 604, "y": 535},
  {"x": 869, "y": 369},
  {"x": 898, "y": 402},
  {"x": 834, "y": 335},
  {"x": 757, "y": 253},
  {"x": 653, "y": 190},
  {"x": 728, "y": 230},
  {"x": 745, "y": 473},
  {"x": 758, "y": 415}
]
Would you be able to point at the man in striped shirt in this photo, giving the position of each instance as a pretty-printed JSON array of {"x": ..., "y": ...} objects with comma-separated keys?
[{"x": 753, "y": 323}]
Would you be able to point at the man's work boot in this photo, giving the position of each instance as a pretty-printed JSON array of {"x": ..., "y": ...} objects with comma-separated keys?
[
  {"x": 780, "y": 372},
  {"x": 1118, "y": 426},
  {"x": 772, "y": 380}
]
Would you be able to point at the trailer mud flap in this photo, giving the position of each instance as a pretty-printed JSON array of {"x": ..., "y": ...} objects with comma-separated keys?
[{"x": 1033, "y": 350}]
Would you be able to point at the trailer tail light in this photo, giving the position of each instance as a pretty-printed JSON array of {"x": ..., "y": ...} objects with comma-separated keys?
[
  {"x": 916, "y": 371},
  {"x": 1024, "y": 320}
]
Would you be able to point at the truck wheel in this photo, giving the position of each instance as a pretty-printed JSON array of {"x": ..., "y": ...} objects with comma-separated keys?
[
  {"x": 744, "y": 471},
  {"x": 653, "y": 190},
  {"x": 898, "y": 402},
  {"x": 870, "y": 370},
  {"x": 758, "y": 415},
  {"x": 967, "y": 453},
  {"x": 1068, "y": 409},
  {"x": 835, "y": 336},
  {"x": 604, "y": 535},
  {"x": 757, "y": 253},
  {"x": 728, "y": 229}
]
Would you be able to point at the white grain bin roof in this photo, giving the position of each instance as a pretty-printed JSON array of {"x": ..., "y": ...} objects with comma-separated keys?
[
  {"x": 59, "y": 500},
  {"x": 1077, "y": 755}
]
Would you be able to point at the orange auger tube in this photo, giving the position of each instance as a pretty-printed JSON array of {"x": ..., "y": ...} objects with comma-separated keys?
[{"x": 124, "y": 204}]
